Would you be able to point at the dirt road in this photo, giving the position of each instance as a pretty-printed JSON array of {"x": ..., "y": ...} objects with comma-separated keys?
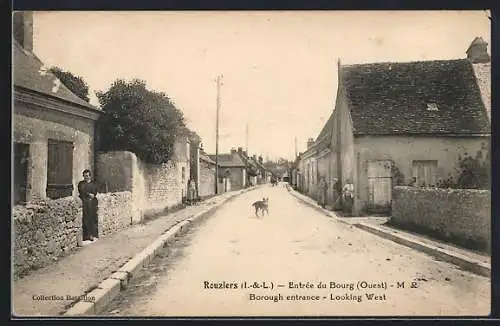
[{"x": 296, "y": 262}]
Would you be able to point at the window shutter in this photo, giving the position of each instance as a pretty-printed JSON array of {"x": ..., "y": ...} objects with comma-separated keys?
[
  {"x": 59, "y": 169},
  {"x": 425, "y": 172}
]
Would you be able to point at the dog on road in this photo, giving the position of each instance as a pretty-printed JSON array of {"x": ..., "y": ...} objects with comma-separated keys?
[{"x": 262, "y": 205}]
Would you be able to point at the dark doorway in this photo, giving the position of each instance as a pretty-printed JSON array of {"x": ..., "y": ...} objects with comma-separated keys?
[
  {"x": 59, "y": 169},
  {"x": 21, "y": 159}
]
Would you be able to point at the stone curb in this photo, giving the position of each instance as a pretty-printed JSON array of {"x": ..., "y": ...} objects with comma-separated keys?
[
  {"x": 99, "y": 298},
  {"x": 466, "y": 263}
]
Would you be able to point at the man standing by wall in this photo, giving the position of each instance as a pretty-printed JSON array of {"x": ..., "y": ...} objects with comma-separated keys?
[
  {"x": 87, "y": 189},
  {"x": 323, "y": 187}
]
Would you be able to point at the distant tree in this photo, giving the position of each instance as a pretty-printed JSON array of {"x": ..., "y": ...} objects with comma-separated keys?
[
  {"x": 139, "y": 120},
  {"x": 475, "y": 170},
  {"x": 75, "y": 84},
  {"x": 252, "y": 171}
]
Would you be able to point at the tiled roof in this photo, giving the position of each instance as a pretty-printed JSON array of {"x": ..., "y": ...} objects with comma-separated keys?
[
  {"x": 207, "y": 159},
  {"x": 326, "y": 132},
  {"x": 249, "y": 160},
  {"x": 229, "y": 160},
  {"x": 28, "y": 75},
  {"x": 427, "y": 97},
  {"x": 324, "y": 138}
]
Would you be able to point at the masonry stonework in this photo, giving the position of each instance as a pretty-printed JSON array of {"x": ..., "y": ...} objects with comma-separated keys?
[
  {"x": 207, "y": 179},
  {"x": 462, "y": 216},
  {"x": 483, "y": 77},
  {"x": 154, "y": 187},
  {"x": 44, "y": 231},
  {"x": 114, "y": 212}
]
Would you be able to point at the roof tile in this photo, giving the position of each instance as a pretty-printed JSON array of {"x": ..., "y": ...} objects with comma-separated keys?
[
  {"x": 392, "y": 98},
  {"x": 29, "y": 73}
]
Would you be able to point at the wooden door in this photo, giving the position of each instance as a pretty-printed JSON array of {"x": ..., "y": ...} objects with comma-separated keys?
[
  {"x": 59, "y": 169},
  {"x": 379, "y": 186}
]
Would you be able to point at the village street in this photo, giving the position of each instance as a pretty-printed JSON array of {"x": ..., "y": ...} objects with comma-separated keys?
[{"x": 287, "y": 254}]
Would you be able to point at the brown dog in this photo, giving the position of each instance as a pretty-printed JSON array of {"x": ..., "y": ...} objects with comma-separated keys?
[{"x": 262, "y": 205}]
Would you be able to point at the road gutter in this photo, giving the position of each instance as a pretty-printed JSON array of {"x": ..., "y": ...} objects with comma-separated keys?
[{"x": 467, "y": 263}]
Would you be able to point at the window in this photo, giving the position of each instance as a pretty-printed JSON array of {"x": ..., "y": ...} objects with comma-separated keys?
[
  {"x": 183, "y": 174},
  {"x": 425, "y": 172},
  {"x": 21, "y": 159},
  {"x": 59, "y": 169}
]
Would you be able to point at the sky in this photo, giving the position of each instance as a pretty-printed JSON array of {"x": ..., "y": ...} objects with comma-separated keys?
[{"x": 279, "y": 68}]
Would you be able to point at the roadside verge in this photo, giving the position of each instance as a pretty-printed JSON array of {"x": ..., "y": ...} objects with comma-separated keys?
[{"x": 465, "y": 259}]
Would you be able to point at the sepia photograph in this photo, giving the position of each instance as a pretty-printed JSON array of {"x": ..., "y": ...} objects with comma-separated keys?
[{"x": 251, "y": 164}]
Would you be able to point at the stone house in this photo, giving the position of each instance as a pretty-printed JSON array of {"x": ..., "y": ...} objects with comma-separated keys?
[
  {"x": 316, "y": 163},
  {"x": 53, "y": 129},
  {"x": 182, "y": 157},
  {"x": 232, "y": 166},
  {"x": 263, "y": 173},
  {"x": 252, "y": 168},
  {"x": 396, "y": 121},
  {"x": 207, "y": 177}
]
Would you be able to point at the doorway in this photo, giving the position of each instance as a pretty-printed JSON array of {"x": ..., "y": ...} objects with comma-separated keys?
[
  {"x": 21, "y": 159},
  {"x": 379, "y": 186}
]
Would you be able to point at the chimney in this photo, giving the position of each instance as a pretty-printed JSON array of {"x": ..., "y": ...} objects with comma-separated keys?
[
  {"x": 310, "y": 142},
  {"x": 22, "y": 29},
  {"x": 478, "y": 51}
]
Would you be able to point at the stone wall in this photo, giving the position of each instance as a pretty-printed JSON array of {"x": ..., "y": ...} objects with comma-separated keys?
[
  {"x": 462, "y": 216},
  {"x": 44, "y": 231},
  {"x": 207, "y": 179},
  {"x": 154, "y": 187},
  {"x": 48, "y": 229},
  {"x": 159, "y": 187},
  {"x": 114, "y": 212},
  {"x": 483, "y": 77}
]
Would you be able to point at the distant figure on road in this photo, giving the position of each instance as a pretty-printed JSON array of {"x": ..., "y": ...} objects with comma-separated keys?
[
  {"x": 348, "y": 197},
  {"x": 192, "y": 191},
  {"x": 323, "y": 187},
  {"x": 87, "y": 189}
]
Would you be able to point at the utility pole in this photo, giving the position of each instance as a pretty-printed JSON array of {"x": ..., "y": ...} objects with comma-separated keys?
[
  {"x": 217, "y": 136},
  {"x": 246, "y": 143},
  {"x": 295, "y": 147}
]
